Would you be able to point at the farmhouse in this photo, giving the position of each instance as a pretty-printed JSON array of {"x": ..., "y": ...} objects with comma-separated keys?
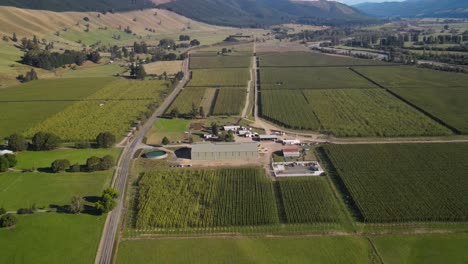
[
  {"x": 225, "y": 151},
  {"x": 291, "y": 153}
]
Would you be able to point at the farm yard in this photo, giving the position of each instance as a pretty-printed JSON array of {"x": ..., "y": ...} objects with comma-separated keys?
[
  {"x": 114, "y": 108},
  {"x": 204, "y": 199},
  {"x": 402, "y": 183},
  {"x": 309, "y": 200}
]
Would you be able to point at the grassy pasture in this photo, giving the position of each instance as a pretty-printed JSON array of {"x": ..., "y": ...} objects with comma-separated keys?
[
  {"x": 219, "y": 77},
  {"x": 308, "y": 59},
  {"x": 311, "y": 78},
  {"x": 94, "y": 70},
  {"x": 27, "y": 105},
  {"x": 159, "y": 67},
  {"x": 247, "y": 250},
  {"x": 52, "y": 238},
  {"x": 423, "y": 249},
  {"x": 404, "y": 183},
  {"x": 205, "y": 198},
  {"x": 43, "y": 159},
  {"x": 308, "y": 200},
  {"x": 230, "y": 101},
  {"x": 22, "y": 190},
  {"x": 123, "y": 101},
  {"x": 220, "y": 62},
  {"x": 173, "y": 129}
]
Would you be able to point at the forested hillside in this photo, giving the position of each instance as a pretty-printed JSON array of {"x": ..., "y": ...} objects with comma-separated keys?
[{"x": 80, "y": 5}]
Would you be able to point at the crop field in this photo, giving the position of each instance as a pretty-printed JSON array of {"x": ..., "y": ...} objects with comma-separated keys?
[
  {"x": 205, "y": 198},
  {"x": 347, "y": 113},
  {"x": 230, "y": 101},
  {"x": 188, "y": 96},
  {"x": 308, "y": 200},
  {"x": 29, "y": 104},
  {"x": 220, "y": 62},
  {"x": 320, "y": 249},
  {"x": 289, "y": 109},
  {"x": 159, "y": 67},
  {"x": 115, "y": 108},
  {"x": 422, "y": 249},
  {"x": 235, "y": 77},
  {"x": 208, "y": 100},
  {"x": 52, "y": 238},
  {"x": 404, "y": 183},
  {"x": 309, "y": 59},
  {"x": 311, "y": 78},
  {"x": 173, "y": 129}
]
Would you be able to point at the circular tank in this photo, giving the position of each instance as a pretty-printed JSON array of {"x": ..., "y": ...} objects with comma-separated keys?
[{"x": 156, "y": 154}]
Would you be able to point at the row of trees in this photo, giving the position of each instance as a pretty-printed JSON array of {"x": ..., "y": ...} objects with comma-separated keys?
[
  {"x": 48, "y": 141},
  {"x": 92, "y": 164},
  {"x": 52, "y": 60}
]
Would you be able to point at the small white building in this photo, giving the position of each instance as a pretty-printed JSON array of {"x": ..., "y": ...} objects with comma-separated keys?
[
  {"x": 291, "y": 153},
  {"x": 268, "y": 137},
  {"x": 231, "y": 128},
  {"x": 291, "y": 142}
]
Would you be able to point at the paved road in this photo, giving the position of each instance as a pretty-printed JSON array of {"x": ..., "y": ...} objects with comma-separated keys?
[{"x": 106, "y": 246}]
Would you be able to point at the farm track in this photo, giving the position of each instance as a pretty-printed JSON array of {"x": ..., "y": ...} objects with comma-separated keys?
[{"x": 106, "y": 246}]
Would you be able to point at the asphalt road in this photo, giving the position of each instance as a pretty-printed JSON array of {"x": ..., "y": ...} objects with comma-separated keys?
[{"x": 106, "y": 245}]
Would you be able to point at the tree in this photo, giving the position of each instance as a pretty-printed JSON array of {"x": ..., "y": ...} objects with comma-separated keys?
[
  {"x": 167, "y": 43},
  {"x": 94, "y": 56},
  {"x": 76, "y": 205},
  {"x": 112, "y": 192},
  {"x": 194, "y": 111},
  {"x": 30, "y": 76},
  {"x": 179, "y": 76},
  {"x": 2, "y": 211},
  {"x": 230, "y": 136},
  {"x": 201, "y": 111},
  {"x": 107, "y": 202},
  {"x": 82, "y": 144},
  {"x": 194, "y": 42},
  {"x": 105, "y": 140},
  {"x": 75, "y": 168},
  {"x": 14, "y": 38},
  {"x": 17, "y": 142},
  {"x": 4, "y": 164},
  {"x": 60, "y": 165},
  {"x": 140, "y": 72},
  {"x": 93, "y": 164},
  {"x": 11, "y": 160},
  {"x": 165, "y": 141},
  {"x": 45, "y": 141},
  {"x": 175, "y": 112},
  {"x": 214, "y": 129},
  {"x": 8, "y": 220},
  {"x": 107, "y": 162}
]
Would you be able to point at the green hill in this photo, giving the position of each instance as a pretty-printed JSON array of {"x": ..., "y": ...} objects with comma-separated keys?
[{"x": 255, "y": 13}]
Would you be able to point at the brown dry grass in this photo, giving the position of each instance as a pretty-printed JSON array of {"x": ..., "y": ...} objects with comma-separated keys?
[{"x": 159, "y": 67}]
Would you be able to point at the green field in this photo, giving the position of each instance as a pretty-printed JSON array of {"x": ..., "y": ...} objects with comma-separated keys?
[
  {"x": 308, "y": 59},
  {"x": 188, "y": 97},
  {"x": 173, "y": 129},
  {"x": 204, "y": 198},
  {"x": 115, "y": 108},
  {"x": 401, "y": 183},
  {"x": 247, "y": 250},
  {"x": 96, "y": 70},
  {"x": 309, "y": 200},
  {"x": 52, "y": 238},
  {"x": 29, "y": 104},
  {"x": 43, "y": 159},
  {"x": 219, "y": 61},
  {"x": 22, "y": 190},
  {"x": 235, "y": 77},
  {"x": 311, "y": 78},
  {"x": 230, "y": 101},
  {"x": 423, "y": 249},
  {"x": 347, "y": 113}
]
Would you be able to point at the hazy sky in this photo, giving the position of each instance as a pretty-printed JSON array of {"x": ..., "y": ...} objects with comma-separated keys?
[{"x": 353, "y": 2}]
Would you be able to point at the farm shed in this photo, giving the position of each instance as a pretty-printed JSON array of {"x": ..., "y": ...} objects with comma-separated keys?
[
  {"x": 224, "y": 151},
  {"x": 268, "y": 137},
  {"x": 291, "y": 153},
  {"x": 231, "y": 128}
]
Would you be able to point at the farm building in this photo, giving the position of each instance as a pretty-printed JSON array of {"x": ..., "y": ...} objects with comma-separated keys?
[
  {"x": 4, "y": 152},
  {"x": 231, "y": 128},
  {"x": 291, "y": 153},
  {"x": 224, "y": 151},
  {"x": 267, "y": 137},
  {"x": 291, "y": 142}
]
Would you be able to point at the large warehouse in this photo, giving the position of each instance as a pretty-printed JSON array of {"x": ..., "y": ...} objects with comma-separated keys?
[{"x": 225, "y": 151}]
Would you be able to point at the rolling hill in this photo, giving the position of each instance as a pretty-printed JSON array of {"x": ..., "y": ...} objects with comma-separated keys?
[
  {"x": 81, "y": 5},
  {"x": 256, "y": 13},
  {"x": 417, "y": 8}
]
